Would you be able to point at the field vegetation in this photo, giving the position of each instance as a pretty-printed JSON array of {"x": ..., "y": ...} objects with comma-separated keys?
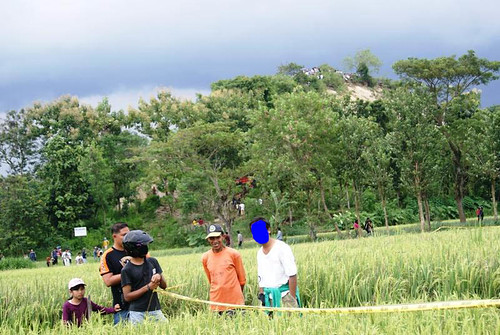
[{"x": 403, "y": 268}]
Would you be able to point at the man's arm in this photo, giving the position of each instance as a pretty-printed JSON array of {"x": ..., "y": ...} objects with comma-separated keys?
[
  {"x": 240, "y": 271},
  {"x": 110, "y": 279},
  {"x": 163, "y": 283},
  {"x": 205, "y": 268},
  {"x": 129, "y": 295}
]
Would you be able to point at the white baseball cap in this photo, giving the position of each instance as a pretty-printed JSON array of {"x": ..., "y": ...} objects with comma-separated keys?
[{"x": 75, "y": 282}]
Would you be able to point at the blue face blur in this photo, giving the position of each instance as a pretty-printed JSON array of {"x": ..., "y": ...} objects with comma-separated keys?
[{"x": 259, "y": 232}]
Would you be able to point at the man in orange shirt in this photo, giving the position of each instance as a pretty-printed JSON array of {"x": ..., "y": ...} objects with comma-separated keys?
[{"x": 224, "y": 269}]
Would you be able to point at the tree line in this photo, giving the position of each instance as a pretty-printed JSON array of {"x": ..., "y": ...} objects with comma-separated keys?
[{"x": 314, "y": 157}]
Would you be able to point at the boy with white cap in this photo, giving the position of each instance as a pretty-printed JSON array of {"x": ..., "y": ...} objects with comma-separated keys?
[{"x": 78, "y": 306}]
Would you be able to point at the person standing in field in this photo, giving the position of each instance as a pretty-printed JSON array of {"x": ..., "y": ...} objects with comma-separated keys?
[
  {"x": 478, "y": 213},
  {"x": 65, "y": 258},
  {"x": 355, "y": 226},
  {"x": 368, "y": 226},
  {"x": 54, "y": 256},
  {"x": 111, "y": 267},
  {"x": 79, "y": 259},
  {"x": 276, "y": 268},
  {"x": 227, "y": 238},
  {"x": 105, "y": 244},
  {"x": 225, "y": 272},
  {"x": 279, "y": 235},
  {"x": 32, "y": 256},
  {"x": 140, "y": 277},
  {"x": 78, "y": 307},
  {"x": 240, "y": 239},
  {"x": 84, "y": 255}
]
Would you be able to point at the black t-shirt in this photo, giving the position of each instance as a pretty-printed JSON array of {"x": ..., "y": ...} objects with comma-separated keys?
[
  {"x": 138, "y": 276},
  {"x": 110, "y": 262}
]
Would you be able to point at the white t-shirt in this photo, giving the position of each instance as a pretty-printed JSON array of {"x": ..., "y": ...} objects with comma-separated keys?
[{"x": 277, "y": 266}]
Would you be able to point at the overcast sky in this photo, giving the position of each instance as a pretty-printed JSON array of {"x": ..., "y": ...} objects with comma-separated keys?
[{"x": 127, "y": 49}]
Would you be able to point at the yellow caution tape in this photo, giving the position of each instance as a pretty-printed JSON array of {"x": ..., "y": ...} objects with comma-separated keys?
[
  {"x": 444, "y": 305},
  {"x": 174, "y": 287}
]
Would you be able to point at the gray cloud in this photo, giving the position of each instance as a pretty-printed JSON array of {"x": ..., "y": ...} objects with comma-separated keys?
[{"x": 94, "y": 48}]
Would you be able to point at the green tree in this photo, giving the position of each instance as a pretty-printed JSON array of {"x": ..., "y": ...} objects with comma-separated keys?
[
  {"x": 418, "y": 145},
  {"x": 365, "y": 57},
  {"x": 120, "y": 152},
  {"x": 354, "y": 136},
  {"x": 290, "y": 145},
  {"x": 377, "y": 158},
  {"x": 483, "y": 141},
  {"x": 364, "y": 74},
  {"x": 448, "y": 80},
  {"x": 23, "y": 217},
  {"x": 290, "y": 69},
  {"x": 69, "y": 199},
  {"x": 96, "y": 171},
  {"x": 18, "y": 147},
  {"x": 203, "y": 161}
]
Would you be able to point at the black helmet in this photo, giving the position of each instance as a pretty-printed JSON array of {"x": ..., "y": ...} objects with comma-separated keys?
[{"x": 136, "y": 243}]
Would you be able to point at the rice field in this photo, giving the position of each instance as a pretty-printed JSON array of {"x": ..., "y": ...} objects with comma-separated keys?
[{"x": 409, "y": 268}]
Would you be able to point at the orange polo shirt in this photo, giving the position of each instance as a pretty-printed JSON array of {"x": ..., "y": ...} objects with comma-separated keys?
[{"x": 226, "y": 275}]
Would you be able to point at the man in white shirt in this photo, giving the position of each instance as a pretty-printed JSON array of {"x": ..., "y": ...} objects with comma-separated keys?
[{"x": 276, "y": 268}]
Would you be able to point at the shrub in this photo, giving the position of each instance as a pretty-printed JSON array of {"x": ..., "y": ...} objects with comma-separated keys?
[{"x": 15, "y": 263}]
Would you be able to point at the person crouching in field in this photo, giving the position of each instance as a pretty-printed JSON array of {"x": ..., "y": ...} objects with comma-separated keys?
[
  {"x": 140, "y": 277},
  {"x": 225, "y": 273},
  {"x": 77, "y": 307},
  {"x": 275, "y": 267}
]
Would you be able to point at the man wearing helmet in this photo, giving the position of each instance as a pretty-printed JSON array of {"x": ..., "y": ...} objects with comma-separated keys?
[{"x": 140, "y": 277}]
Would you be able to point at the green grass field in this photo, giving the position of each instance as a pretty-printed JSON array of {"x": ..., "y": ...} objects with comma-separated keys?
[{"x": 403, "y": 268}]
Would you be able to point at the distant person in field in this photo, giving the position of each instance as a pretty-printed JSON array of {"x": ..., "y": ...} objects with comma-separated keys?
[
  {"x": 32, "y": 256},
  {"x": 276, "y": 268},
  {"x": 225, "y": 272},
  {"x": 69, "y": 256},
  {"x": 48, "y": 259},
  {"x": 478, "y": 213},
  {"x": 368, "y": 226},
  {"x": 111, "y": 268},
  {"x": 140, "y": 277},
  {"x": 79, "y": 259},
  {"x": 227, "y": 239},
  {"x": 279, "y": 235},
  {"x": 84, "y": 255},
  {"x": 78, "y": 307},
  {"x": 355, "y": 226},
  {"x": 240, "y": 239},
  {"x": 105, "y": 244},
  {"x": 481, "y": 213},
  {"x": 54, "y": 256},
  {"x": 65, "y": 258}
]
